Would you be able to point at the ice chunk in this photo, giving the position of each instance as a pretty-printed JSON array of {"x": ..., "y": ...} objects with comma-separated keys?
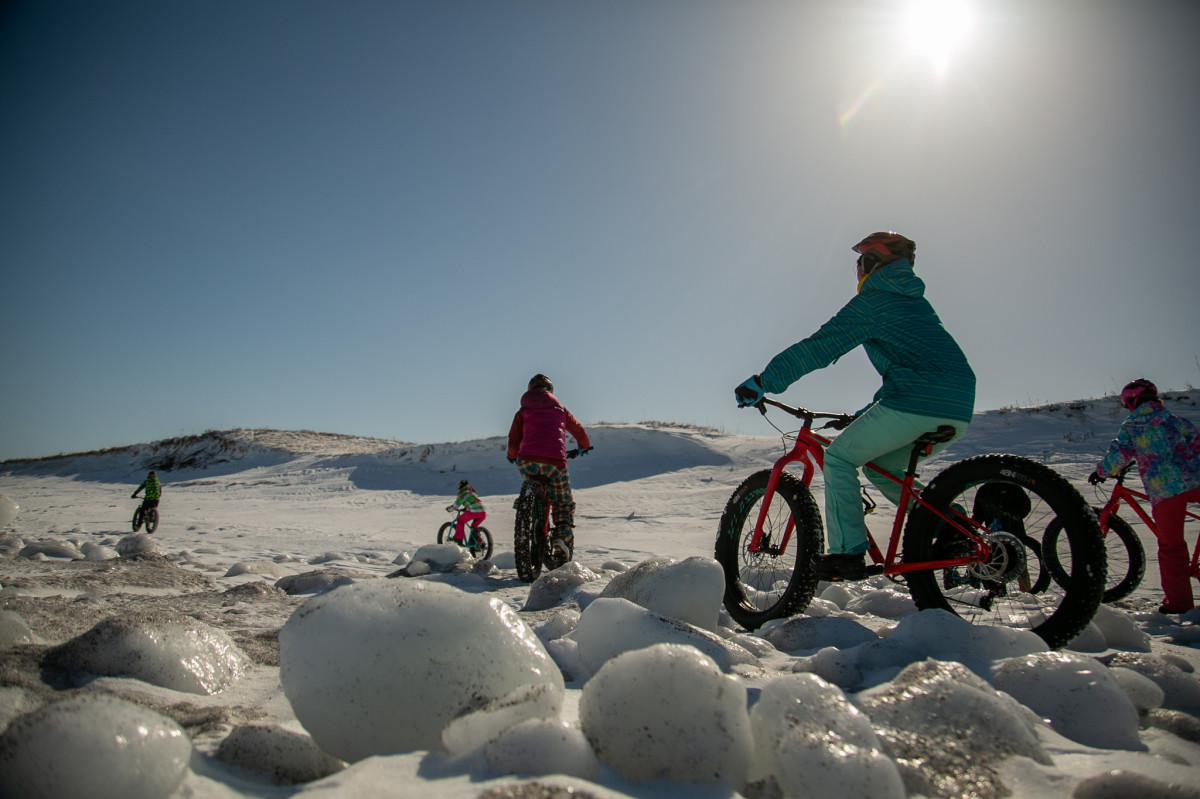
[
  {"x": 176, "y": 652},
  {"x": 93, "y": 746},
  {"x": 384, "y": 666},
  {"x": 1076, "y": 694},
  {"x": 667, "y": 712}
]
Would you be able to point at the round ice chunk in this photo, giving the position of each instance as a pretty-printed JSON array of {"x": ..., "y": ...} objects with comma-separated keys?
[
  {"x": 667, "y": 712},
  {"x": 1079, "y": 696},
  {"x": 384, "y": 666},
  {"x": 176, "y": 652},
  {"x": 543, "y": 746},
  {"x": 93, "y": 746},
  {"x": 8, "y": 510}
]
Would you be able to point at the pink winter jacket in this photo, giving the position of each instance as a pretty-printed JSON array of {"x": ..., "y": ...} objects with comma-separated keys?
[{"x": 539, "y": 429}]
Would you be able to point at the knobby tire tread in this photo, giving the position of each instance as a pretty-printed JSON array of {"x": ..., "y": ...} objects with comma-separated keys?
[
  {"x": 734, "y": 536},
  {"x": 1124, "y": 574},
  {"x": 527, "y": 533},
  {"x": 1054, "y": 494}
]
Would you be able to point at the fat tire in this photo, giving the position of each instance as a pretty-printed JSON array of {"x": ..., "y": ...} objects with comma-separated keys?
[
  {"x": 481, "y": 548},
  {"x": 1059, "y": 612},
  {"x": 151, "y": 519},
  {"x": 1125, "y": 557},
  {"x": 527, "y": 531},
  {"x": 444, "y": 532},
  {"x": 137, "y": 519},
  {"x": 752, "y": 604}
]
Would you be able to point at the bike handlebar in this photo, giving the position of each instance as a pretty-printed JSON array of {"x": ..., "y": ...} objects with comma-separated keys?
[{"x": 800, "y": 413}]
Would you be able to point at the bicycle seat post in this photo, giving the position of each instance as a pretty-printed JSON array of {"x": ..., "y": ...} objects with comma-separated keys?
[{"x": 923, "y": 446}]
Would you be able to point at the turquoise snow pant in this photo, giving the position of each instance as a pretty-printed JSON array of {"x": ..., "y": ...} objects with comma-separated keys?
[{"x": 881, "y": 435}]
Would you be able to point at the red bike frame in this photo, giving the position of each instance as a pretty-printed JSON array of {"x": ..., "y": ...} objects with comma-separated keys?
[
  {"x": 1121, "y": 493},
  {"x": 809, "y": 450}
]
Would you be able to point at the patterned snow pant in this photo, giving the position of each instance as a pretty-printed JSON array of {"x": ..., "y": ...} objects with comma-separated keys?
[{"x": 558, "y": 490}]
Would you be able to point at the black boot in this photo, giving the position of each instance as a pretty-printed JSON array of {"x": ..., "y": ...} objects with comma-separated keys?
[{"x": 837, "y": 567}]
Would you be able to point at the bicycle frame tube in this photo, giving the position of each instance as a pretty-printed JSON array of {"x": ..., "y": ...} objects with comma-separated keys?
[
  {"x": 1130, "y": 497},
  {"x": 809, "y": 447},
  {"x": 809, "y": 450}
]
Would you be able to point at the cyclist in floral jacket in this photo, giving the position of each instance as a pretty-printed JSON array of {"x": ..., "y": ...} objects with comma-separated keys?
[
  {"x": 537, "y": 444},
  {"x": 1167, "y": 450}
]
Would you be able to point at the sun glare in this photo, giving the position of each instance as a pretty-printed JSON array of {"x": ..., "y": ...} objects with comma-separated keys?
[{"x": 937, "y": 28}]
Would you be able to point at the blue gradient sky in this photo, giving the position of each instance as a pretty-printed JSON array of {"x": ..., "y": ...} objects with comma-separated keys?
[{"x": 380, "y": 218}]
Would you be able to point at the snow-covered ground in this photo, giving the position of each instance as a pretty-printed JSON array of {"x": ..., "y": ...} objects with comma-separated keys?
[{"x": 255, "y": 646}]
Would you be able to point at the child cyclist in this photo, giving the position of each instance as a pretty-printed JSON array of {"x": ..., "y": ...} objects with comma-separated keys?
[
  {"x": 153, "y": 491},
  {"x": 1167, "y": 450},
  {"x": 472, "y": 510},
  {"x": 927, "y": 383},
  {"x": 537, "y": 444}
]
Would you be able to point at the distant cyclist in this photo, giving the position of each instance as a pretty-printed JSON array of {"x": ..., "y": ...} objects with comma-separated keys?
[
  {"x": 153, "y": 491},
  {"x": 471, "y": 510},
  {"x": 537, "y": 444}
]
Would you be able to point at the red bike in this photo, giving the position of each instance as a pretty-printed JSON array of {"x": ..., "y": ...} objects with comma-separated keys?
[
  {"x": 986, "y": 514},
  {"x": 1126, "y": 555}
]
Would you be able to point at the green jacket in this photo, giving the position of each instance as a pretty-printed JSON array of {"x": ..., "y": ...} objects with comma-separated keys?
[
  {"x": 923, "y": 370},
  {"x": 152, "y": 486}
]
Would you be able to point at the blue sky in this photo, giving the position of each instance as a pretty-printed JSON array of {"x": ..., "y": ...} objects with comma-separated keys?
[{"x": 380, "y": 218}]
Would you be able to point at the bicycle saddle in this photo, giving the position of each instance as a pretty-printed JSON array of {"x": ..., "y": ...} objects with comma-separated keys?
[{"x": 944, "y": 432}]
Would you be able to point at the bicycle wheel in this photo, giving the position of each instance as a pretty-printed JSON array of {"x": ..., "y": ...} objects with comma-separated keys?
[
  {"x": 1004, "y": 590},
  {"x": 444, "y": 532},
  {"x": 775, "y": 581},
  {"x": 151, "y": 519},
  {"x": 527, "y": 531},
  {"x": 1126, "y": 557},
  {"x": 479, "y": 543},
  {"x": 137, "y": 519}
]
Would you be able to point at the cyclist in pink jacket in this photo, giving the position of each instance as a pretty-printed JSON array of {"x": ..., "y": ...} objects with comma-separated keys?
[{"x": 537, "y": 444}]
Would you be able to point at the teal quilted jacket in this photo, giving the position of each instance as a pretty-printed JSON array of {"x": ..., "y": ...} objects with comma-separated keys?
[{"x": 923, "y": 370}]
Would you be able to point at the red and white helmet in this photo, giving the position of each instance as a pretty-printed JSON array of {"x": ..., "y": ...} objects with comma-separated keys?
[
  {"x": 1138, "y": 391},
  {"x": 882, "y": 248}
]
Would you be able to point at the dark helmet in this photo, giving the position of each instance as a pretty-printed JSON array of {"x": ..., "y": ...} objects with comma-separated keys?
[
  {"x": 880, "y": 249},
  {"x": 1137, "y": 392},
  {"x": 462, "y": 484},
  {"x": 540, "y": 381}
]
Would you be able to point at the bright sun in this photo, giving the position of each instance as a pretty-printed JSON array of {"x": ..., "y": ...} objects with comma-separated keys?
[{"x": 937, "y": 28}]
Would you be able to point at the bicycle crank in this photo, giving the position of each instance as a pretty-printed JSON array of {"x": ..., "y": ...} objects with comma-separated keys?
[{"x": 1005, "y": 562}]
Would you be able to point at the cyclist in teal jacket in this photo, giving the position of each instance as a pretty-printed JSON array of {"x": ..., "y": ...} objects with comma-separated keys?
[{"x": 927, "y": 383}]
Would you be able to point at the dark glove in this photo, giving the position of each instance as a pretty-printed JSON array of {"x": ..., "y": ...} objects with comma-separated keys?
[
  {"x": 749, "y": 393},
  {"x": 840, "y": 424},
  {"x": 1095, "y": 479}
]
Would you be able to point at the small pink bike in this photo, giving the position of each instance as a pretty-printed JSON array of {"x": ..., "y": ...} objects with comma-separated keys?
[{"x": 971, "y": 543}]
